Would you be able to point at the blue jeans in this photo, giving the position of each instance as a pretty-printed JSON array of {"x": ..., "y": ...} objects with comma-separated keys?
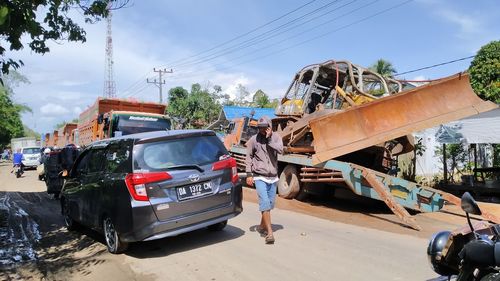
[{"x": 267, "y": 194}]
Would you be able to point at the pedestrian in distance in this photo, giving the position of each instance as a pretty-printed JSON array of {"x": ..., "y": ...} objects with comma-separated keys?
[
  {"x": 17, "y": 160},
  {"x": 262, "y": 171}
]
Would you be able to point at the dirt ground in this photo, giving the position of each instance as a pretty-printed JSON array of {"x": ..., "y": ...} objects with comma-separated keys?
[{"x": 34, "y": 245}]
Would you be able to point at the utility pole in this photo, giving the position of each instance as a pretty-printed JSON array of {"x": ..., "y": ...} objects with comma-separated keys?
[{"x": 160, "y": 81}]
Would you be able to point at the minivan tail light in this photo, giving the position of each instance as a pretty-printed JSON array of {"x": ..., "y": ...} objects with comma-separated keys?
[
  {"x": 229, "y": 163},
  {"x": 136, "y": 183}
]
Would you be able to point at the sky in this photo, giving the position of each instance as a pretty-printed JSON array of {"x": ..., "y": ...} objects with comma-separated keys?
[{"x": 256, "y": 43}]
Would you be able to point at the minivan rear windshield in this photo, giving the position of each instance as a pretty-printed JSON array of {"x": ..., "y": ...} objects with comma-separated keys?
[
  {"x": 31, "y": 150},
  {"x": 195, "y": 150}
]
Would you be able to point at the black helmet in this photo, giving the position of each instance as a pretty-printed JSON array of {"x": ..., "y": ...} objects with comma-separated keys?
[{"x": 434, "y": 253}]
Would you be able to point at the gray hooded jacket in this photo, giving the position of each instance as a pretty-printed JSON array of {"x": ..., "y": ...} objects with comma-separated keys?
[{"x": 262, "y": 153}]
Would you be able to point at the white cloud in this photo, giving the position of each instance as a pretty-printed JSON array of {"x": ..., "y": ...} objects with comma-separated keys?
[
  {"x": 419, "y": 78},
  {"x": 472, "y": 25},
  {"x": 77, "y": 110},
  {"x": 467, "y": 24},
  {"x": 52, "y": 109},
  {"x": 230, "y": 83}
]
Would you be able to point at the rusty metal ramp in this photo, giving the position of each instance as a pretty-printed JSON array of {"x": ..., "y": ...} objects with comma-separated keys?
[{"x": 439, "y": 102}]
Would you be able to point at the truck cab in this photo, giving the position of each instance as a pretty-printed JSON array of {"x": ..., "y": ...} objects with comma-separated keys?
[{"x": 120, "y": 123}]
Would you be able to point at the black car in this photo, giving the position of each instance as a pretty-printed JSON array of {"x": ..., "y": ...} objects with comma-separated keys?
[{"x": 152, "y": 185}]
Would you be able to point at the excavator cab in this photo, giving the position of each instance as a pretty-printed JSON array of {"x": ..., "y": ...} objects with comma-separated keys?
[
  {"x": 330, "y": 87},
  {"x": 334, "y": 85}
]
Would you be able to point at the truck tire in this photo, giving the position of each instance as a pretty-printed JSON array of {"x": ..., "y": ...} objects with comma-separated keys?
[{"x": 289, "y": 184}]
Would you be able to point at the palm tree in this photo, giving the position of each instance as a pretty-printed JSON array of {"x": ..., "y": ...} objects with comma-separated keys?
[{"x": 384, "y": 68}]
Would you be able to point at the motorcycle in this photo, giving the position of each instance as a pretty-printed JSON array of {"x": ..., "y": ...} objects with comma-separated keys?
[
  {"x": 18, "y": 170},
  {"x": 471, "y": 253}
]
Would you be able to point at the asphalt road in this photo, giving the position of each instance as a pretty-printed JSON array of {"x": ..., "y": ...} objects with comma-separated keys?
[{"x": 306, "y": 248}]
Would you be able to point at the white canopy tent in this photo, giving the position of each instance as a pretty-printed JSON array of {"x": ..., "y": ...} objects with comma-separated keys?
[
  {"x": 478, "y": 129},
  {"x": 481, "y": 128}
]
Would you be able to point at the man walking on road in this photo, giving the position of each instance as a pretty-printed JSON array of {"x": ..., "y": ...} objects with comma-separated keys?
[{"x": 262, "y": 170}]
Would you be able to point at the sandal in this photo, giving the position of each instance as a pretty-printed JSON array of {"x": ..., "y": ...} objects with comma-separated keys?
[
  {"x": 270, "y": 239},
  {"x": 261, "y": 231}
]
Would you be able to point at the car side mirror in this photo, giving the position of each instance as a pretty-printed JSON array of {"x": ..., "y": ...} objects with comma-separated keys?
[{"x": 469, "y": 205}]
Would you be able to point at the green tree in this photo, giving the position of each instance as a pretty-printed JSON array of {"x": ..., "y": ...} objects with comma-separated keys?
[
  {"x": 384, "y": 68},
  {"x": 456, "y": 159},
  {"x": 496, "y": 155},
  {"x": 260, "y": 99},
  {"x": 195, "y": 109},
  {"x": 177, "y": 93},
  {"x": 43, "y": 20},
  {"x": 485, "y": 72},
  {"x": 241, "y": 94},
  {"x": 10, "y": 113},
  {"x": 274, "y": 103}
]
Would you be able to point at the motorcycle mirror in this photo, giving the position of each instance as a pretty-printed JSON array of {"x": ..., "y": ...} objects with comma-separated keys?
[{"x": 469, "y": 205}]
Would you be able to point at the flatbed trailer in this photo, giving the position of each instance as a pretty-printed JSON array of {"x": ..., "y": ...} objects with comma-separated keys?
[
  {"x": 398, "y": 194},
  {"x": 345, "y": 125}
]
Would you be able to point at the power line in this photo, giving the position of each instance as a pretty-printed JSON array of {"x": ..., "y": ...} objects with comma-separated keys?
[
  {"x": 140, "y": 90},
  {"x": 315, "y": 37},
  {"x": 244, "y": 34},
  {"x": 134, "y": 85},
  {"x": 131, "y": 87},
  {"x": 432, "y": 66},
  {"x": 305, "y": 31},
  {"x": 251, "y": 41}
]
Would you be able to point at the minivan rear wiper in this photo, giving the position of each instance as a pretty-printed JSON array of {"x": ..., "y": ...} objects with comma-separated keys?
[{"x": 186, "y": 166}]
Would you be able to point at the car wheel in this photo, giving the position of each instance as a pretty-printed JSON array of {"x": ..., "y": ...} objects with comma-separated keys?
[
  {"x": 68, "y": 221},
  {"x": 113, "y": 242},
  {"x": 218, "y": 226}
]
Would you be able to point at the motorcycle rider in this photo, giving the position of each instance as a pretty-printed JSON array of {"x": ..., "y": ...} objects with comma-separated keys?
[{"x": 17, "y": 160}]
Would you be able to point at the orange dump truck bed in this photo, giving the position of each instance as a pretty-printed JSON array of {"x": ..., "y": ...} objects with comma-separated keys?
[
  {"x": 103, "y": 105},
  {"x": 88, "y": 128}
]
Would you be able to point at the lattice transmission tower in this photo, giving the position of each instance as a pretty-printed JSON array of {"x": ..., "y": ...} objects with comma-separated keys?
[{"x": 109, "y": 81}]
